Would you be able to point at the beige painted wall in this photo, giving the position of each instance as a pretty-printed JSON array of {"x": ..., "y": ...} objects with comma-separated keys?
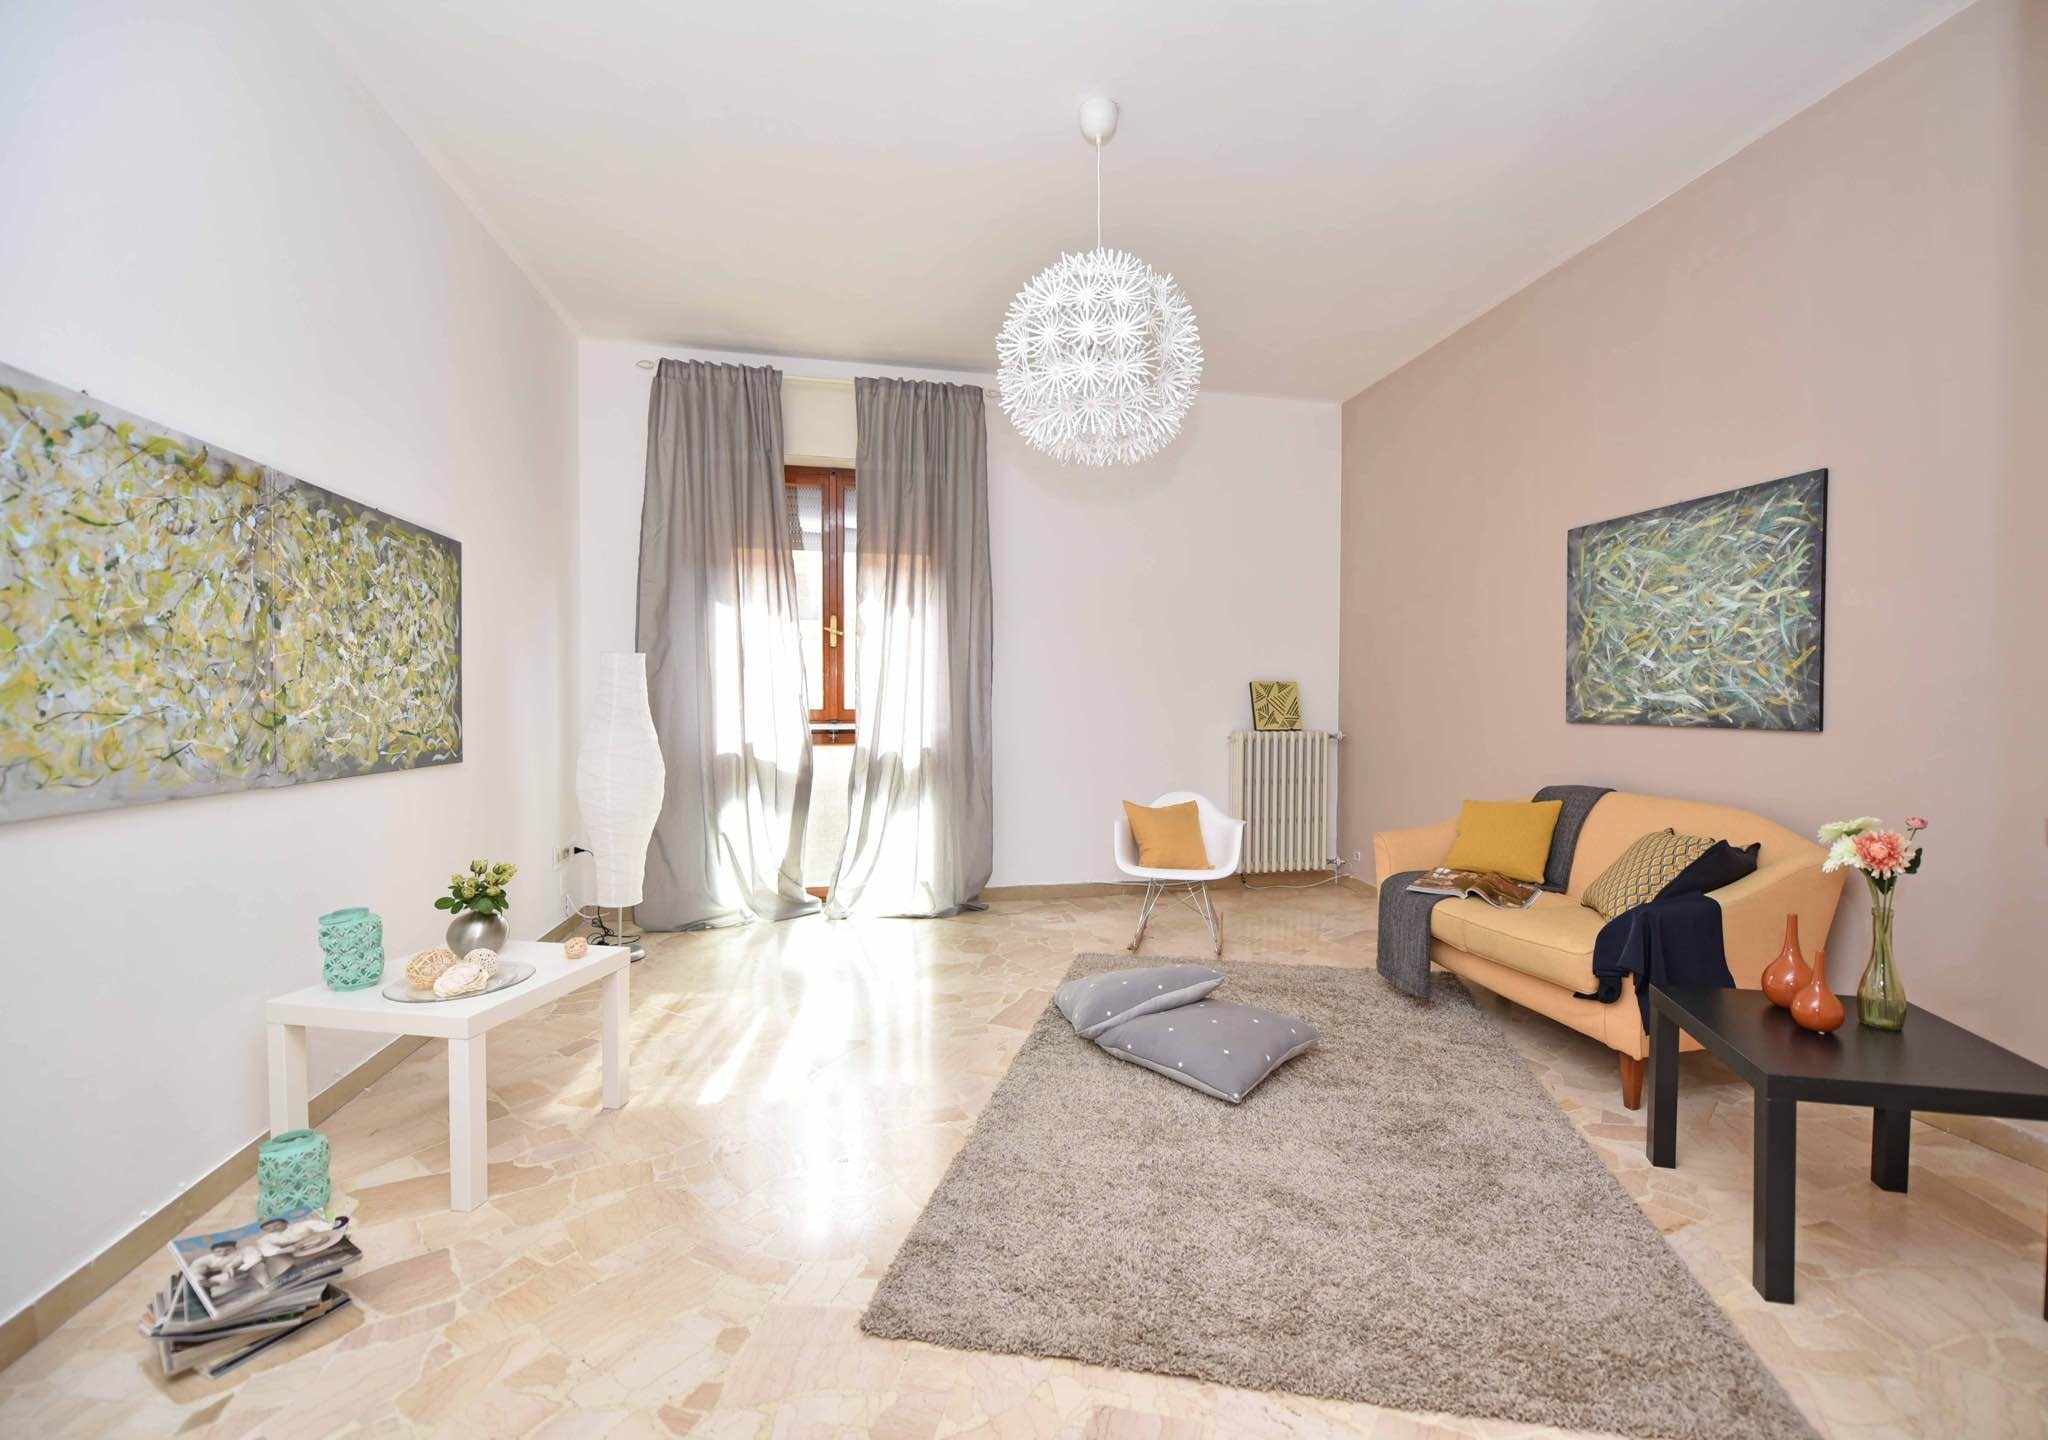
[{"x": 1865, "y": 289}]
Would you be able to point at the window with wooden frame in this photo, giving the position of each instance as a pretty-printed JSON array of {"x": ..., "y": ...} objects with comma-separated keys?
[{"x": 822, "y": 524}]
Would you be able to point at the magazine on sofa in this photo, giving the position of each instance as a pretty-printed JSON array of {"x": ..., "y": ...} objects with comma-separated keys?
[{"x": 1496, "y": 890}]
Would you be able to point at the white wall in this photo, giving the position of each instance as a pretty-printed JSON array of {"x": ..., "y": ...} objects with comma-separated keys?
[
  {"x": 210, "y": 225},
  {"x": 1132, "y": 606}
]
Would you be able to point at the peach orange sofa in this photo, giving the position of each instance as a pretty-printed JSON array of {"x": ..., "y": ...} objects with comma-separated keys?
[{"x": 1539, "y": 956}]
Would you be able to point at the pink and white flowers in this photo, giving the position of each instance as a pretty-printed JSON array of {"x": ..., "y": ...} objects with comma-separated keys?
[
  {"x": 1883, "y": 855},
  {"x": 1881, "y": 852},
  {"x": 1865, "y": 844}
]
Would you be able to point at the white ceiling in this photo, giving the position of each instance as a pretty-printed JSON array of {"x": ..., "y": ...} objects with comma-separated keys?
[{"x": 1337, "y": 186}]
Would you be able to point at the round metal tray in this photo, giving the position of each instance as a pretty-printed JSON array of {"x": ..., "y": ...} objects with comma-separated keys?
[{"x": 508, "y": 974}]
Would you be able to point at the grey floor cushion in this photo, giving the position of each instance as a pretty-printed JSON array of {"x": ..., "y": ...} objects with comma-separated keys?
[
  {"x": 1218, "y": 1047},
  {"x": 1093, "y": 1003}
]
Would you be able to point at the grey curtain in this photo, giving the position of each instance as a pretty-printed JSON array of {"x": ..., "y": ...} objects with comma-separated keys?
[
  {"x": 718, "y": 621},
  {"x": 920, "y": 834}
]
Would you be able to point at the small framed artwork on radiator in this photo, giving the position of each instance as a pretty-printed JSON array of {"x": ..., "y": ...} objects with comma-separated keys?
[{"x": 1276, "y": 704}]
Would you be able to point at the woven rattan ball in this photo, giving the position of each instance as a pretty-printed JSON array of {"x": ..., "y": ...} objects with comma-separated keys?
[{"x": 423, "y": 969}]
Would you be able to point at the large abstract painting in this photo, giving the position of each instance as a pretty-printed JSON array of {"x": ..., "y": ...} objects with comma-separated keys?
[
  {"x": 1704, "y": 613},
  {"x": 176, "y": 620}
]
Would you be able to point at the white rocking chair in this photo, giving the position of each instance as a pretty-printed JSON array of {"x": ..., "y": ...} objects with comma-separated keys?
[{"x": 1222, "y": 837}]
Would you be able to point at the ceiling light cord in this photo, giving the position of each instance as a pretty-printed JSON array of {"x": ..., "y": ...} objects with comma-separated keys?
[{"x": 1098, "y": 194}]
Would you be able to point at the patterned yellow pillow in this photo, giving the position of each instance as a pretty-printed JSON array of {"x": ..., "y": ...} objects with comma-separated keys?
[{"x": 1642, "y": 870}]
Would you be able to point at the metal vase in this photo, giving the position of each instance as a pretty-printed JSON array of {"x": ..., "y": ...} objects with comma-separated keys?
[{"x": 469, "y": 931}]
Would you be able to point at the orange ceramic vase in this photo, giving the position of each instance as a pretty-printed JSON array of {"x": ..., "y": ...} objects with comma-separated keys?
[
  {"x": 1787, "y": 975},
  {"x": 1816, "y": 1007}
]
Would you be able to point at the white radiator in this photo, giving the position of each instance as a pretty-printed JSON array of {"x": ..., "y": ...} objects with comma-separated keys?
[{"x": 1282, "y": 784}]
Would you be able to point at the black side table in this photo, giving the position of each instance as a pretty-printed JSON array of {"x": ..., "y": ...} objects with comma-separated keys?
[{"x": 1930, "y": 1065}]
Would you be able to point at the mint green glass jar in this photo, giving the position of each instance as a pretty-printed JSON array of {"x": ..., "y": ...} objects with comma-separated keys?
[
  {"x": 351, "y": 949},
  {"x": 292, "y": 1174}
]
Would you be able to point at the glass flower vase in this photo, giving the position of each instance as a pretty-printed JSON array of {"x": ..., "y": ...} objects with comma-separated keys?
[{"x": 1880, "y": 998}]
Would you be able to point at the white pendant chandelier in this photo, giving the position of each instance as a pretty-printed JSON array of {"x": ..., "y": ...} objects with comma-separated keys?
[{"x": 1098, "y": 357}]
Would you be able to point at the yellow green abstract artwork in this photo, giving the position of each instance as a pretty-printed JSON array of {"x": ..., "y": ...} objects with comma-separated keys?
[
  {"x": 176, "y": 620},
  {"x": 1705, "y": 613},
  {"x": 1276, "y": 705}
]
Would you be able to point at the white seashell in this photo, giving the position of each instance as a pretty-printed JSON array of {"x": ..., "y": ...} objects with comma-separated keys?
[
  {"x": 483, "y": 956},
  {"x": 461, "y": 978},
  {"x": 423, "y": 969},
  {"x": 575, "y": 947}
]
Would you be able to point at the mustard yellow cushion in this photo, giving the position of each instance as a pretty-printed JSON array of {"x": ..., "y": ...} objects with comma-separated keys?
[
  {"x": 1640, "y": 873},
  {"x": 1170, "y": 837},
  {"x": 1507, "y": 837}
]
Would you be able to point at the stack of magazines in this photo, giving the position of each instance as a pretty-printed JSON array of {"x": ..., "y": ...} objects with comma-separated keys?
[{"x": 239, "y": 1292}]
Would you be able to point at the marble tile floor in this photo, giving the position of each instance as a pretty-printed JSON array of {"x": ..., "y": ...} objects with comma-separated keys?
[{"x": 695, "y": 1264}]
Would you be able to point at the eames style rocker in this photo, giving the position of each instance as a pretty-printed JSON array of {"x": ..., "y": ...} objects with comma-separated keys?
[{"x": 1222, "y": 838}]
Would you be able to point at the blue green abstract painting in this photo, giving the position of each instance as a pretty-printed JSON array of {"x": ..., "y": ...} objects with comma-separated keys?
[{"x": 1705, "y": 613}]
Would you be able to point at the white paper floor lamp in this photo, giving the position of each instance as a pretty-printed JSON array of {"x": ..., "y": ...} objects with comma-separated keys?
[{"x": 619, "y": 781}]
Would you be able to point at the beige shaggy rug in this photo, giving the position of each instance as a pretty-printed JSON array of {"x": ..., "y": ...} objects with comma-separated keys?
[{"x": 1401, "y": 1216}]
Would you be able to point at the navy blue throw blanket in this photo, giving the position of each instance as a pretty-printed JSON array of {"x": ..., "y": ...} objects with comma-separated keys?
[{"x": 1666, "y": 942}]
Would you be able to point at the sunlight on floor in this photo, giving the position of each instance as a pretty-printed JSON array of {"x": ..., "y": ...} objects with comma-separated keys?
[{"x": 697, "y": 1262}]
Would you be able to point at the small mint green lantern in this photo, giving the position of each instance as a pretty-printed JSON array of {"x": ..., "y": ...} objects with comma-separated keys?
[
  {"x": 291, "y": 1173},
  {"x": 351, "y": 949}
]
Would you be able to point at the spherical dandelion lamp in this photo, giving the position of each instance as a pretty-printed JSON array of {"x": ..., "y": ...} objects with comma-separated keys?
[{"x": 1099, "y": 357}]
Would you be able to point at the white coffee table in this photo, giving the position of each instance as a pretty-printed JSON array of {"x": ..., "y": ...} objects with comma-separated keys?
[{"x": 464, "y": 1024}]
